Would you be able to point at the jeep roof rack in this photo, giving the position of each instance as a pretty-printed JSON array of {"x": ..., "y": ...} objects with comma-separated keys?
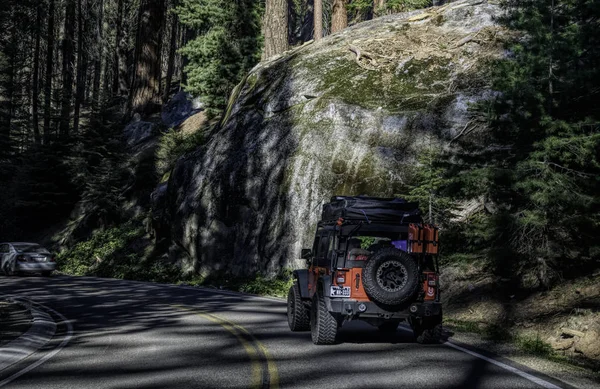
[{"x": 371, "y": 209}]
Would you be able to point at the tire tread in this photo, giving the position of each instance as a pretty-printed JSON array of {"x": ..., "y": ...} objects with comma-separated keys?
[
  {"x": 301, "y": 317},
  {"x": 323, "y": 324}
]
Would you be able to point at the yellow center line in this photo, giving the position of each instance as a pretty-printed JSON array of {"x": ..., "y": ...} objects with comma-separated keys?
[{"x": 235, "y": 330}]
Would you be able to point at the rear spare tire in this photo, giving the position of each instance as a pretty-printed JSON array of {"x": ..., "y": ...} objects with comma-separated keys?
[{"x": 390, "y": 277}]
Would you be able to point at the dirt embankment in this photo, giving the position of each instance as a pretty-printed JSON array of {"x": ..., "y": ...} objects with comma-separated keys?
[{"x": 564, "y": 320}]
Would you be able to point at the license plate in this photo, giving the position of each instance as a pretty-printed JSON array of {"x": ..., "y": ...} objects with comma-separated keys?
[{"x": 340, "y": 291}]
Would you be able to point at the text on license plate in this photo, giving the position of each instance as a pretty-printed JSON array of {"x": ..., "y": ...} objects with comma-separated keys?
[{"x": 340, "y": 291}]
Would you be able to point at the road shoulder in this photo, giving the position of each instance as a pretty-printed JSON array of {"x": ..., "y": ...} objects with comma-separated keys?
[
  {"x": 575, "y": 376},
  {"x": 40, "y": 331}
]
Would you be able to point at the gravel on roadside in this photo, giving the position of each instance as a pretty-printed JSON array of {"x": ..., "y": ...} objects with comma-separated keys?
[{"x": 578, "y": 377}]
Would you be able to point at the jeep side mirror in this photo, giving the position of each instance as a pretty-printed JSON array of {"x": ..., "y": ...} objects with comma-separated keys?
[{"x": 306, "y": 254}]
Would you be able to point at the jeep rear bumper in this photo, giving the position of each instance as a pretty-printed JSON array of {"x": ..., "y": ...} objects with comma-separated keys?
[{"x": 351, "y": 309}]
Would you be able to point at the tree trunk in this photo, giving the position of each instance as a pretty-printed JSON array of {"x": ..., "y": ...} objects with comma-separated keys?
[
  {"x": 188, "y": 35},
  {"x": 379, "y": 7},
  {"x": 118, "y": 58},
  {"x": 339, "y": 18},
  {"x": 275, "y": 28},
  {"x": 98, "y": 57},
  {"x": 81, "y": 66},
  {"x": 7, "y": 97},
  {"x": 171, "y": 60},
  {"x": 36, "y": 78},
  {"x": 318, "y": 15},
  {"x": 145, "y": 92},
  {"x": 49, "y": 70},
  {"x": 68, "y": 59}
]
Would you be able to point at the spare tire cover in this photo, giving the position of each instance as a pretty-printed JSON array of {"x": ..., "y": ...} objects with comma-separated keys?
[{"x": 390, "y": 277}]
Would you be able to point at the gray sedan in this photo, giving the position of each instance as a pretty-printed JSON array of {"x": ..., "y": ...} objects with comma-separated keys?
[{"x": 21, "y": 258}]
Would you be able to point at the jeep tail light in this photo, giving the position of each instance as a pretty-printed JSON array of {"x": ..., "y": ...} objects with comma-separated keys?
[
  {"x": 430, "y": 285},
  {"x": 431, "y": 279}
]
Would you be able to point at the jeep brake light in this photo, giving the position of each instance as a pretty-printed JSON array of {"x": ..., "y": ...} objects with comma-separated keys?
[{"x": 431, "y": 279}]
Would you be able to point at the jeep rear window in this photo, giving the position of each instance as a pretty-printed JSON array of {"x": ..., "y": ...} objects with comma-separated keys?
[{"x": 30, "y": 248}]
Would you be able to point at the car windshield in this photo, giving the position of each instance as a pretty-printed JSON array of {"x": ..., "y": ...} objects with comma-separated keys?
[{"x": 30, "y": 248}]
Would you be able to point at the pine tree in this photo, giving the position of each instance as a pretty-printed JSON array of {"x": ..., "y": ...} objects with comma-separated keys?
[
  {"x": 545, "y": 130},
  {"x": 430, "y": 184},
  {"x": 227, "y": 47},
  {"x": 67, "y": 69}
]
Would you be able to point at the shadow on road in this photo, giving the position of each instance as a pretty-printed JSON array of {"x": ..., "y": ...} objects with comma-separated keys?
[{"x": 136, "y": 335}]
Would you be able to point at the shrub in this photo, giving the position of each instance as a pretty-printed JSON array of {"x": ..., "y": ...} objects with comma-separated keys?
[
  {"x": 173, "y": 144},
  {"x": 104, "y": 246}
]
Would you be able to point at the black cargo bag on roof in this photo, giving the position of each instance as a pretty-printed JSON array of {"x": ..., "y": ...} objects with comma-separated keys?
[{"x": 372, "y": 209}]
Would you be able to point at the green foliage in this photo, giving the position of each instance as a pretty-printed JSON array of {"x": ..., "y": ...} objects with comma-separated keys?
[
  {"x": 534, "y": 346},
  {"x": 265, "y": 286},
  {"x": 106, "y": 246},
  {"x": 407, "y": 5},
  {"x": 227, "y": 47},
  {"x": 429, "y": 184},
  {"x": 260, "y": 285},
  {"x": 360, "y": 10},
  {"x": 543, "y": 171},
  {"x": 172, "y": 145},
  {"x": 113, "y": 253},
  {"x": 366, "y": 241},
  {"x": 495, "y": 332}
]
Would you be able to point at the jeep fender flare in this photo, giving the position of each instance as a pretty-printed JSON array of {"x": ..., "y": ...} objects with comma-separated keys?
[
  {"x": 301, "y": 276},
  {"x": 324, "y": 285}
]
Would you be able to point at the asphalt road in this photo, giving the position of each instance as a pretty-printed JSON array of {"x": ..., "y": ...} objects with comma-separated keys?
[{"x": 142, "y": 335}]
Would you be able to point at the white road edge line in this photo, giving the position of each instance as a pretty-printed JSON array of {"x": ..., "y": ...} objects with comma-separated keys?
[
  {"x": 514, "y": 370},
  {"x": 43, "y": 360},
  {"x": 527, "y": 376}
]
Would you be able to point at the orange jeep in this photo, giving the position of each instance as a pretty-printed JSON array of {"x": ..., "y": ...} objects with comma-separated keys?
[{"x": 373, "y": 260}]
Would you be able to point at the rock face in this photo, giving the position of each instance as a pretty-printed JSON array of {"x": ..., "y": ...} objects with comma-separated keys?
[
  {"x": 178, "y": 109},
  {"x": 347, "y": 116}
]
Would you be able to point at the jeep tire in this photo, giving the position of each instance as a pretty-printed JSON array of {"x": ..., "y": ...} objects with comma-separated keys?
[
  {"x": 428, "y": 331},
  {"x": 323, "y": 326},
  {"x": 390, "y": 277},
  {"x": 298, "y": 311}
]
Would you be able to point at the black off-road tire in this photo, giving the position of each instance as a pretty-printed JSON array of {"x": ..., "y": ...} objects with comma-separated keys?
[
  {"x": 10, "y": 271},
  {"x": 323, "y": 326},
  {"x": 431, "y": 335},
  {"x": 389, "y": 326},
  {"x": 298, "y": 311},
  {"x": 391, "y": 277}
]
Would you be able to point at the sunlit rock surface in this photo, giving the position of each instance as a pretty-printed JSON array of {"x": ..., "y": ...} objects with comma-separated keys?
[{"x": 344, "y": 116}]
